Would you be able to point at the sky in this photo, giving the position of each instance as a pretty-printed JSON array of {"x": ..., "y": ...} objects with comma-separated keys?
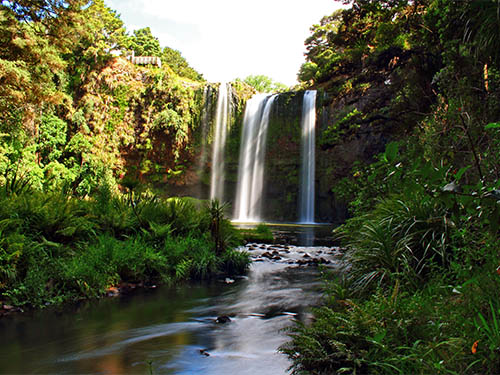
[{"x": 229, "y": 39}]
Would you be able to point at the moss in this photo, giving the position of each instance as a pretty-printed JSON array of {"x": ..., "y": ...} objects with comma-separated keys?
[{"x": 261, "y": 233}]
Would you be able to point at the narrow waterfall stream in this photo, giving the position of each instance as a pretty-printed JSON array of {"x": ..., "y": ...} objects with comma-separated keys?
[
  {"x": 174, "y": 330},
  {"x": 219, "y": 142},
  {"x": 308, "y": 159},
  {"x": 249, "y": 191}
]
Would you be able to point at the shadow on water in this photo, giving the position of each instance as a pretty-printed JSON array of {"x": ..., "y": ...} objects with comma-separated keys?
[{"x": 174, "y": 330}]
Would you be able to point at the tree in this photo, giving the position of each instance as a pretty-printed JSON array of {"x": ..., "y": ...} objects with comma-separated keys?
[
  {"x": 143, "y": 43},
  {"x": 178, "y": 63},
  {"x": 43, "y": 10},
  {"x": 99, "y": 31},
  {"x": 263, "y": 83},
  {"x": 29, "y": 71}
]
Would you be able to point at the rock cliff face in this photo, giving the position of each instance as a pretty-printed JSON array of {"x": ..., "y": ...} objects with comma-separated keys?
[
  {"x": 350, "y": 128},
  {"x": 354, "y": 139},
  {"x": 282, "y": 166}
]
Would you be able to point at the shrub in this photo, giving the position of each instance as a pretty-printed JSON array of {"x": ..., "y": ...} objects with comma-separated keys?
[{"x": 402, "y": 238}]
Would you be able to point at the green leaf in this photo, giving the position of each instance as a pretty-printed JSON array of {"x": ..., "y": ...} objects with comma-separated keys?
[
  {"x": 493, "y": 125},
  {"x": 379, "y": 337},
  {"x": 391, "y": 151},
  {"x": 461, "y": 172}
]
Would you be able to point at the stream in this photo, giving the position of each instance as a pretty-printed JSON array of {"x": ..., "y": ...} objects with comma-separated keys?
[{"x": 177, "y": 330}]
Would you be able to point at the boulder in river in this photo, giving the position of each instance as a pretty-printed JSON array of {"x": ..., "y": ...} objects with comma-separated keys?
[{"x": 223, "y": 319}]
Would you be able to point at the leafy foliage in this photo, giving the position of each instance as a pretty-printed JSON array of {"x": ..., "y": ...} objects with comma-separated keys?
[
  {"x": 419, "y": 286},
  {"x": 262, "y": 83},
  {"x": 56, "y": 248},
  {"x": 174, "y": 59},
  {"x": 143, "y": 43}
]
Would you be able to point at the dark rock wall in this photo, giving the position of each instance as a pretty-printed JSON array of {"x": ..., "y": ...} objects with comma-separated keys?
[
  {"x": 282, "y": 164},
  {"x": 334, "y": 160}
]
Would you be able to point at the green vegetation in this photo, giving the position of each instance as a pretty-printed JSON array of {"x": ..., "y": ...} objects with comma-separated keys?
[
  {"x": 84, "y": 134},
  {"x": 420, "y": 288},
  {"x": 262, "y": 83},
  {"x": 56, "y": 248},
  {"x": 261, "y": 233},
  {"x": 72, "y": 113}
]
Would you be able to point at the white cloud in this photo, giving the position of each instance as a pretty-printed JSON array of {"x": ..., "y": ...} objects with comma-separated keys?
[{"x": 226, "y": 39}]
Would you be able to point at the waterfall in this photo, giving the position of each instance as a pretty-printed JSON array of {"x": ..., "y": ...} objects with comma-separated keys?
[
  {"x": 221, "y": 120},
  {"x": 307, "y": 170},
  {"x": 249, "y": 190}
]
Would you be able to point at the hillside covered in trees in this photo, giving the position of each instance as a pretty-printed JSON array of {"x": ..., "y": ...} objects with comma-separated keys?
[
  {"x": 83, "y": 133},
  {"x": 75, "y": 111}
]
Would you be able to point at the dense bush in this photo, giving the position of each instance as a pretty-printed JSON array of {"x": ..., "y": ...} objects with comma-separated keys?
[
  {"x": 56, "y": 248},
  {"x": 420, "y": 289}
]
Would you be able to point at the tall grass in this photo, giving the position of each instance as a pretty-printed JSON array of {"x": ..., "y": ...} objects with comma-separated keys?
[
  {"x": 419, "y": 296},
  {"x": 402, "y": 238}
]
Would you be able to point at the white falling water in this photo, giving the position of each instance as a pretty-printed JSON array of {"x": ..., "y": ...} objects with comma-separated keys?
[
  {"x": 307, "y": 170},
  {"x": 248, "y": 204},
  {"x": 221, "y": 120}
]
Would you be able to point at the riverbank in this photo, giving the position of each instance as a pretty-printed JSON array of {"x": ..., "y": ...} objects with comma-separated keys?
[{"x": 57, "y": 249}]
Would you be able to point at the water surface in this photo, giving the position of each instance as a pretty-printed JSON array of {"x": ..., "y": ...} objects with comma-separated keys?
[{"x": 174, "y": 330}]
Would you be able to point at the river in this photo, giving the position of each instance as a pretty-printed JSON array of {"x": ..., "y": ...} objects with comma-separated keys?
[{"x": 175, "y": 330}]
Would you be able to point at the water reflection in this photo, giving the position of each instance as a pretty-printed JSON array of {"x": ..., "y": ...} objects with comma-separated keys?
[{"x": 306, "y": 236}]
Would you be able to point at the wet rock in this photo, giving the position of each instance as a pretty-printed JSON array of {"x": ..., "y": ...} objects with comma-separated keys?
[
  {"x": 275, "y": 252},
  {"x": 112, "y": 292},
  {"x": 124, "y": 288},
  {"x": 223, "y": 319},
  {"x": 276, "y": 257},
  {"x": 267, "y": 254},
  {"x": 204, "y": 352},
  {"x": 306, "y": 256},
  {"x": 259, "y": 260}
]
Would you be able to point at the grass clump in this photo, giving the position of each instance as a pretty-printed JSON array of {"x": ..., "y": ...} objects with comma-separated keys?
[
  {"x": 261, "y": 233},
  {"x": 391, "y": 319}
]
